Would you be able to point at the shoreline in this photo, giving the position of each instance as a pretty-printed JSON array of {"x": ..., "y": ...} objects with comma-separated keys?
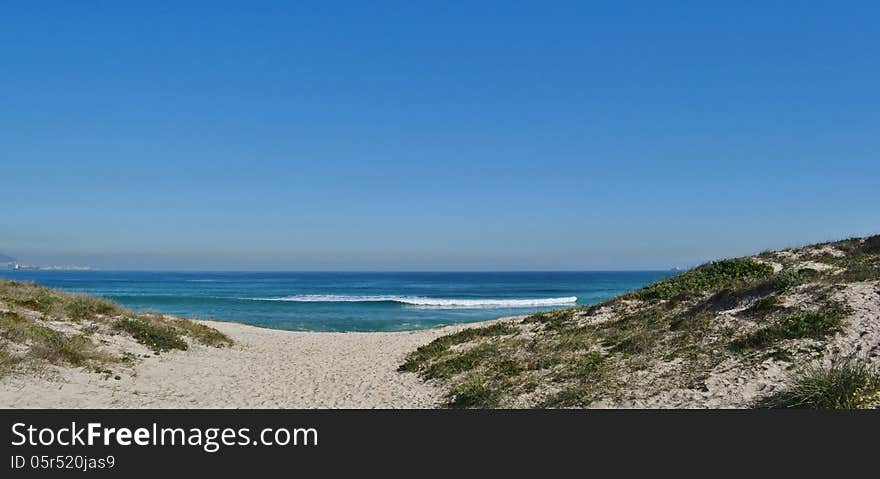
[{"x": 266, "y": 368}]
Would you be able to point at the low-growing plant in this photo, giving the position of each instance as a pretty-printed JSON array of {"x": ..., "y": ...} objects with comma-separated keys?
[
  {"x": 765, "y": 305},
  {"x": 787, "y": 279},
  {"x": 158, "y": 337},
  {"x": 871, "y": 245},
  {"x": 76, "y": 350},
  {"x": 18, "y": 329},
  {"x": 460, "y": 362},
  {"x": 8, "y": 361},
  {"x": 79, "y": 307},
  {"x": 800, "y": 324},
  {"x": 708, "y": 277},
  {"x": 201, "y": 333},
  {"x": 474, "y": 393},
  {"x": 573, "y": 395},
  {"x": 848, "y": 383},
  {"x": 424, "y": 354}
]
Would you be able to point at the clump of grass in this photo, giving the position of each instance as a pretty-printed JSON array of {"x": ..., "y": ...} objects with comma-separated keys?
[
  {"x": 75, "y": 307},
  {"x": 458, "y": 363},
  {"x": 633, "y": 335},
  {"x": 552, "y": 319},
  {"x": 573, "y": 395},
  {"x": 584, "y": 367},
  {"x": 76, "y": 350},
  {"x": 436, "y": 348},
  {"x": 203, "y": 334},
  {"x": 787, "y": 279},
  {"x": 8, "y": 361},
  {"x": 79, "y": 307},
  {"x": 800, "y": 324},
  {"x": 28, "y": 295},
  {"x": 48, "y": 344},
  {"x": 843, "y": 384},
  {"x": 474, "y": 393},
  {"x": 871, "y": 245},
  {"x": 765, "y": 306},
  {"x": 18, "y": 329},
  {"x": 705, "y": 278},
  {"x": 158, "y": 337},
  {"x": 861, "y": 271}
]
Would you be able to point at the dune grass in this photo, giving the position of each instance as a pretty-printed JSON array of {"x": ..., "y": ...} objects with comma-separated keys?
[
  {"x": 36, "y": 311},
  {"x": 850, "y": 383},
  {"x": 158, "y": 337},
  {"x": 418, "y": 359},
  {"x": 8, "y": 361},
  {"x": 670, "y": 334},
  {"x": 709, "y": 277},
  {"x": 49, "y": 344},
  {"x": 800, "y": 324}
]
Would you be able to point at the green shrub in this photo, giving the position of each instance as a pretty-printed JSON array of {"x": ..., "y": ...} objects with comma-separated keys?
[
  {"x": 573, "y": 395},
  {"x": 157, "y": 337},
  {"x": 79, "y": 307},
  {"x": 57, "y": 348},
  {"x": 436, "y": 348},
  {"x": 787, "y": 279},
  {"x": 19, "y": 329},
  {"x": 203, "y": 334},
  {"x": 706, "y": 278},
  {"x": 459, "y": 362},
  {"x": 871, "y": 245},
  {"x": 474, "y": 393},
  {"x": 800, "y": 324},
  {"x": 765, "y": 305},
  {"x": 843, "y": 384}
]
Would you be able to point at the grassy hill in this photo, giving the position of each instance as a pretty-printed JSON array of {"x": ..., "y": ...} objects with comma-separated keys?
[
  {"x": 41, "y": 328},
  {"x": 792, "y": 328}
]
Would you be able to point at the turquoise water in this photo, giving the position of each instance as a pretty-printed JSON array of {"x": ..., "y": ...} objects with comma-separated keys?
[{"x": 345, "y": 301}]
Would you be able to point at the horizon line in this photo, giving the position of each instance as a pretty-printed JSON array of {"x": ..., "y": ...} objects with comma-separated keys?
[{"x": 378, "y": 271}]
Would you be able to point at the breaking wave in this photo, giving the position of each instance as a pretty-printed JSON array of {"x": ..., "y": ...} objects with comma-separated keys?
[{"x": 438, "y": 303}]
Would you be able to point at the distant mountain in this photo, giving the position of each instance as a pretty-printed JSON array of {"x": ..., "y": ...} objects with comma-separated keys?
[{"x": 6, "y": 259}]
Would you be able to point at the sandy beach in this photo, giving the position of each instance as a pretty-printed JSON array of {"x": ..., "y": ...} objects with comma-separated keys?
[{"x": 265, "y": 368}]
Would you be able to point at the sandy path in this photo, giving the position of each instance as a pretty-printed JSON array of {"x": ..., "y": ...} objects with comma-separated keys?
[{"x": 265, "y": 369}]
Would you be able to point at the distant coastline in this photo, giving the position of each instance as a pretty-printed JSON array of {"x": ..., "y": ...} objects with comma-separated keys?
[
  {"x": 8, "y": 262},
  {"x": 30, "y": 267}
]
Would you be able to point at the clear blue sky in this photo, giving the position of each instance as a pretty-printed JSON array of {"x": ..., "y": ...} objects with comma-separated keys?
[{"x": 448, "y": 135}]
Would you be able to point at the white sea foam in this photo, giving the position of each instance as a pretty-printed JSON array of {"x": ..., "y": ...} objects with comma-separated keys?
[{"x": 438, "y": 303}]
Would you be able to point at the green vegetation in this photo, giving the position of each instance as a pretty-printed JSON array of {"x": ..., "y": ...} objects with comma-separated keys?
[
  {"x": 76, "y": 350},
  {"x": 709, "y": 277},
  {"x": 418, "y": 359},
  {"x": 871, "y": 245},
  {"x": 487, "y": 365},
  {"x": 860, "y": 261},
  {"x": 46, "y": 326},
  {"x": 80, "y": 307},
  {"x": 8, "y": 361},
  {"x": 46, "y": 343},
  {"x": 800, "y": 324},
  {"x": 787, "y": 279},
  {"x": 672, "y": 334},
  {"x": 153, "y": 335},
  {"x": 765, "y": 306},
  {"x": 474, "y": 393},
  {"x": 843, "y": 384},
  {"x": 201, "y": 333}
]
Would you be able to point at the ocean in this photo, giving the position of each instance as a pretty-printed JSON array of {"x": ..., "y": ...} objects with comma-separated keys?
[{"x": 344, "y": 301}]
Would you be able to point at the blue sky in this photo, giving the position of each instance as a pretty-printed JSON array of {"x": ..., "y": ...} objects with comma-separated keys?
[{"x": 447, "y": 135}]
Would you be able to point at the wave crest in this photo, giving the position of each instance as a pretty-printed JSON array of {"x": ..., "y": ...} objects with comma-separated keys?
[{"x": 426, "y": 302}]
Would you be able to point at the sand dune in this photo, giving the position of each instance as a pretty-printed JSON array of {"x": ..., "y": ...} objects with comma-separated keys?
[{"x": 265, "y": 369}]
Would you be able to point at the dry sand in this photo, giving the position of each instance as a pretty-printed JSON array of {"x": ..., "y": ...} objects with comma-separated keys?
[{"x": 265, "y": 369}]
